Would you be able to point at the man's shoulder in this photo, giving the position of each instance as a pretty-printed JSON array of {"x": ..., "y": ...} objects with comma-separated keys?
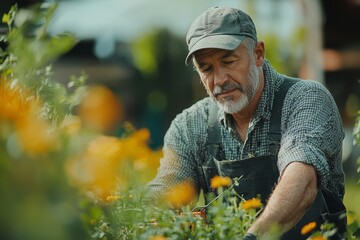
[
  {"x": 308, "y": 88},
  {"x": 194, "y": 119},
  {"x": 308, "y": 84},
  {"x": 190, "y": 125},
  {"x": 308, "y": 96},
  {"x": 198, "y": 110}
]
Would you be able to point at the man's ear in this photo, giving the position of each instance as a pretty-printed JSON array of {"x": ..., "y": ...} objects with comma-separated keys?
[{"x": 259, "y": 53}]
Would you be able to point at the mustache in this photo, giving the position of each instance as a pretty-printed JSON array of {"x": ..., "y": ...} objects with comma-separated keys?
[{"x": 227, "y": 86}]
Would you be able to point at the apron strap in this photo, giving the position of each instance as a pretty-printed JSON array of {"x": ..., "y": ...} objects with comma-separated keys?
[
  {"x": 275, "y": 120},
  {"x": 213, "y": 131},
  {"x": 208, "y": 167}
]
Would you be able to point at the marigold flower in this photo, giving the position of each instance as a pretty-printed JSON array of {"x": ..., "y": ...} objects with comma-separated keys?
[
  {"x": 16, "y": 103},
  {"x": 218, "y": 181},
  {"x": 112, "y": 198},
  {"x": 100, "y": 109},
  {"x": 253, "y": 203},
  {"x": 181, "y": 194},
  {"x": 137, "y": 145},
  {"x": 97, "y": 169},
  {"x": 23, "y": 111},
  {"x": 101, "y": 169},
  {"x": 36, "y": 135},
  {"x": 308, "y": 228},
  {"x": 106, "y": 147},
  {"x": 142, "y": 157}
]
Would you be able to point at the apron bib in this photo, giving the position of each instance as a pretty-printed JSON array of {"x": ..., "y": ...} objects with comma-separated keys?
[{"x": 257, "y": 177}]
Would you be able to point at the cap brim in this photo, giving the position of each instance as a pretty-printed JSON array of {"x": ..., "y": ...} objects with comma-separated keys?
[{"x": 226, "y": 42}]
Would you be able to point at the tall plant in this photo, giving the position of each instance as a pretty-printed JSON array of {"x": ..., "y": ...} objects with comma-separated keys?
[{"x": 36, "y": 202}]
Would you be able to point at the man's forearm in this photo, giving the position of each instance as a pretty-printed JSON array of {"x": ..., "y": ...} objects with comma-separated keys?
[{"x": 290, "y": 199}]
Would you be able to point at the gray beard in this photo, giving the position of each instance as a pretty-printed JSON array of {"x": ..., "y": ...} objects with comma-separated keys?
[{"x": 230, "y": 105}]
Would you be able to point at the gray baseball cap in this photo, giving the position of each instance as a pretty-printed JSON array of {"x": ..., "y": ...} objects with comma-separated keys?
[{"x": 219, "y": 27}]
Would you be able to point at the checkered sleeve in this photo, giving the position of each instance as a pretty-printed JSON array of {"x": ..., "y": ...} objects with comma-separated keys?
[
  {"x": 182, "y": 149},
  {"x": 312, "y": 132}
]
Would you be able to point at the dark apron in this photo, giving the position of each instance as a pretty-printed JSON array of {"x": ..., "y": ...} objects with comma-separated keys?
[{"x": 258, "y": 176}]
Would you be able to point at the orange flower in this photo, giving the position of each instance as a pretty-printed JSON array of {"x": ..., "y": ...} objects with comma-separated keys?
[
  {"x": 97, "y": 169},
  {"x": 308, "y": 228},
  {"x": 35, "y": 135},
  {"x": 100, "y": 109},
  {"x": 23, "y": 111},
  {"x": 137, "y": 145},
  {"x": 102, "y": 169},
  {"x": 218, "y": 181},
  {"x": 252, "y": 203},
  {"x": 181, "y": 194},
  {"x": 14, "y": 102}
]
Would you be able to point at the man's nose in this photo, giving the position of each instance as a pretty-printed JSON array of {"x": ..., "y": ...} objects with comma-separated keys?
[{"x": 220, "y": 76}]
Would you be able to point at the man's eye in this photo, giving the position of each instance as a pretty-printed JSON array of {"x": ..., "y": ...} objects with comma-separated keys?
[
  {"x": 205, "y": 69},
  {"x": 227, "y": 62}
]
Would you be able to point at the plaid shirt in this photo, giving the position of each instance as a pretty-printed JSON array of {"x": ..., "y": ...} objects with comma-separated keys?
[{"x": 311, "y": 129}]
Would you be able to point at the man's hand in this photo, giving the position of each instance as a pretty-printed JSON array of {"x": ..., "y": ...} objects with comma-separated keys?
[{"x": 290, "y": 199}]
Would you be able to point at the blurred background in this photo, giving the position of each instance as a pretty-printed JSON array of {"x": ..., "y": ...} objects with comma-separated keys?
[{"x": 137, "y": 49}]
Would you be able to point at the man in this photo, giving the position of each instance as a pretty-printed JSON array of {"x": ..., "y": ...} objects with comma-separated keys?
[{"x": 283, "y": 137}]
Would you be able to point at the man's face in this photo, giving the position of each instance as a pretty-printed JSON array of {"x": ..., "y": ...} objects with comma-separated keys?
[{"x": 230, "y": 77}]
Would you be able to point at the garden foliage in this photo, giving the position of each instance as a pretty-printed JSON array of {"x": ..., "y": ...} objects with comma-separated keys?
[{"x": 63, "y": 177}]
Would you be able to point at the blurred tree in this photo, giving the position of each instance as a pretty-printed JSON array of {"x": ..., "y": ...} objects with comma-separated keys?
[
  {"x": 341, "y": 56},
  {"x": 343, "y": 40},
  {"x": 169, "y": 84}
]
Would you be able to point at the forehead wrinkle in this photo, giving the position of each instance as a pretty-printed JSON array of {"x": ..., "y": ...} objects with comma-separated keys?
[{"x": 201, "y": 55}]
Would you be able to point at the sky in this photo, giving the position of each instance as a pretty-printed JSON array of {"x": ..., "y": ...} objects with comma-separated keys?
[{"x": 127, "y": 20}]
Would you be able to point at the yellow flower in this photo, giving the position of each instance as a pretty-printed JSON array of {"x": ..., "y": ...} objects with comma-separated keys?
[
  {"x": 252, "y": 203},
  {"x": 101, "y": 109},
  {"x": 35, "y": 135},
  {"x": 23, "y": 111},
  {"x": 97, "y": 169},
  {"x": 308, "y": 228},
  {"x": 107, "y": 148},
  {"x": 15, "y": 103},
  {"x": 112, "y": 198},
  {"x": 137, "y": 145},
  {"x": 218, "y": 181},
  {"x": 181, "y": 194}
]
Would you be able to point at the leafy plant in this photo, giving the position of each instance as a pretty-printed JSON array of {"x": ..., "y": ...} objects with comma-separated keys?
[{"x": 37, "y": 202}]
